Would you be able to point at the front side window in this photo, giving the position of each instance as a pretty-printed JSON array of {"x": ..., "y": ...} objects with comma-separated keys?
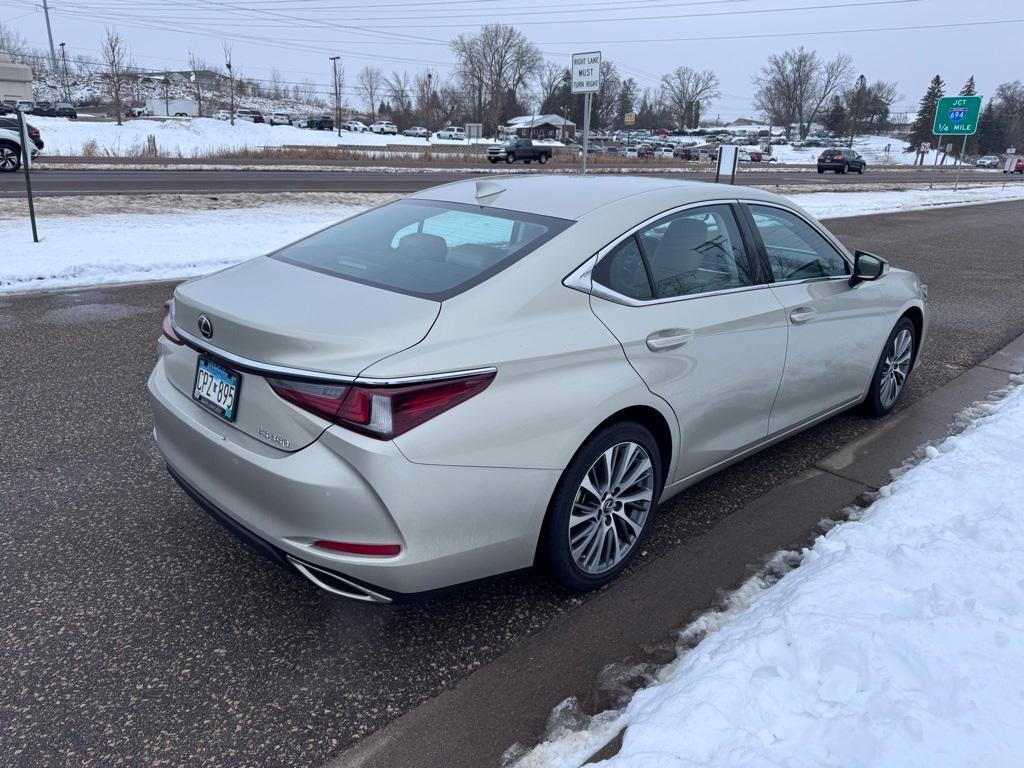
[
  {"x": 796, "y": 251},
  {"x": 424, "y": 248}
]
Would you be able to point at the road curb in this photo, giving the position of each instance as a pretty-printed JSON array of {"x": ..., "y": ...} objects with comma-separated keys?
[{"x": 508, "y": 700}]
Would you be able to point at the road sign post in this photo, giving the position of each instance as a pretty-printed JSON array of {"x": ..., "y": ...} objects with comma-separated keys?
[
  {"x": 26, "y": 164},
  {"x": 586, "y": 79}
]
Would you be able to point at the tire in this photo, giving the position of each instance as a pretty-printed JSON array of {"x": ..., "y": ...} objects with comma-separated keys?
[
  {"x": 629, "y": 523},
  {"x": 542, "y": 159},
  {"x": 10, "y": 157},
  {"x": 821, "y": 170},
  {"x": 526, "y": 162},
  {"x": 510, "y": 159},
  {"x": 846, "y": 168},
  {"x": 897, "y": 357},
  {"x": 493, "y": 161},
  {"x": 860, "y": 170}
]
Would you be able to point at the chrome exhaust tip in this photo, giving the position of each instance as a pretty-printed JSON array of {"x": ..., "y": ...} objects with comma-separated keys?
[{"x": 337, "y": 584}]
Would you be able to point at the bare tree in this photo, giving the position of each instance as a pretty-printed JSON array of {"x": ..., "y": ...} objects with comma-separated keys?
[
  {"x": 549, "y": 81},
  {"x": 369, "y": 86},
  {"x": 12, "y": 42},
  {"x": 115, "y": 60},
  {"x": 793, "y": 86},
  {"x": 493, "y": 66},
  {"x": 399, "y": 92},
  {"x": 426, "y": 98},
  {"x": 686, "y": 92},
  {"x": 197, "y": 80}
]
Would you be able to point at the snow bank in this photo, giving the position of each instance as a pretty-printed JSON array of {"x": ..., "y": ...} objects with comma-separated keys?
[
  {"x": 194, "y": 137},
  {"x": 898, "y": 642},
  {"x": 126, "y": 247}
]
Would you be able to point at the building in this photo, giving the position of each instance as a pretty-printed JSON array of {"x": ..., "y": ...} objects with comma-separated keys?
[
  {"x": 540, "y": 127},
  {"x": 15, "y": 79}
]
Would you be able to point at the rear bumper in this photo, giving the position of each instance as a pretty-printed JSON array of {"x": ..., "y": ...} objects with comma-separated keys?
[{"x": 454, "y": 524}]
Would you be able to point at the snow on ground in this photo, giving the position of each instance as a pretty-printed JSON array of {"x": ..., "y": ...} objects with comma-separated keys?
[
  {"x": 899, "y": 641},
  {"x": 195, "y": 137},
  {"x": 131, "y": 245}
]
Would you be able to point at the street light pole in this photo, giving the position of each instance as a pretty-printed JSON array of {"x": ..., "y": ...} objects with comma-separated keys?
[
  {"x": 67, "y": 83},
  {"x": 337, "y": 96}
]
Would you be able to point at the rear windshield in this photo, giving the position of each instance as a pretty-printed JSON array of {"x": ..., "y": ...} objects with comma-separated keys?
[{"x": 431, "y": 249}]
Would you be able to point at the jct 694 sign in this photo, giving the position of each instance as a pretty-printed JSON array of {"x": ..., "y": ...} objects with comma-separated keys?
[{"x": 957, "y": 116}]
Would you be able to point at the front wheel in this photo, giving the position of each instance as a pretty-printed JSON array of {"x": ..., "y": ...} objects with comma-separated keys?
[
  {"x": 10, "y": 157},
  {"x": 892, "y": 370},
  {"x": 510, "y": 159},
  {"x": 542, "y": 159},
  {"x": 603, "y": 507},
  {"x": 493, "y": 161}
]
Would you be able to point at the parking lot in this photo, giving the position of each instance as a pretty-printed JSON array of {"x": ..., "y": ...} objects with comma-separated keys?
[{"x": 137, "y": 631}]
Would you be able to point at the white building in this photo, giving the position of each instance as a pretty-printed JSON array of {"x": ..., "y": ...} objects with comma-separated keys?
[{"x": 15, "y": 79}]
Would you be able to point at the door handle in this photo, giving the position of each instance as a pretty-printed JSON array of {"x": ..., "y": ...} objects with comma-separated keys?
[
  {"x": 670, "y": 338},
  {"x": 803, "y": 314}
]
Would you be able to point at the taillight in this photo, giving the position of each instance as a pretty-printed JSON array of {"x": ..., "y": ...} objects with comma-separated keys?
[
  {"x": 382, "y": 412},
  {"x": 822, "y": 158},
  {"x": 167, "y": 325}
]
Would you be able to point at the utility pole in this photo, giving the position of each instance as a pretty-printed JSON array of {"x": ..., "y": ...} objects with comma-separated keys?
[
  {"x": 67, "y": 83},
  {"x": 231, "y": 80},
  {"x": 49, "y": 34},
  {"x": 337, "y": 96}
]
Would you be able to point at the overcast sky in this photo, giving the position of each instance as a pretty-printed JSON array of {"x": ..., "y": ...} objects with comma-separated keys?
[{"x": 644, "y": 37}]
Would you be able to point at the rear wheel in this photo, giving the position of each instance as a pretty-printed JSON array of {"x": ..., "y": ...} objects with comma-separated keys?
[
  {"x": 603, "y": 506},
  {"x": 10, "y": 157},
  {"x": 821, "y": 170},
  {"x": 510, "y": 159},
  {"x": 861, "y": 169},
  {"x": 892, "y": 370},
  {"x": 542, "y": 159}
]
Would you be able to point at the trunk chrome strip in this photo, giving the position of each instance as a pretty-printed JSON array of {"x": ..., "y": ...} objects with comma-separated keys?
[{"x": 286, "y": 372}]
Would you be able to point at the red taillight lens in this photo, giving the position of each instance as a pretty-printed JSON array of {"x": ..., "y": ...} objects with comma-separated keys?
[
  {"x": 380, "y": 550},
  {"x": 167, "y": 325},
  {"x": 382, "y": 412}
]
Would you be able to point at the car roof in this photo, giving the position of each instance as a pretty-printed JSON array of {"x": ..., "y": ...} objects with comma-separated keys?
[{"x": 571, "y": 196}]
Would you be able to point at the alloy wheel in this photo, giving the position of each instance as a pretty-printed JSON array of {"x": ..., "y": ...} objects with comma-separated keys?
[
  {"x": 895, "y": 367},
  {"x": 8, "y": 159},
  {"x": 611, "y": 507}
]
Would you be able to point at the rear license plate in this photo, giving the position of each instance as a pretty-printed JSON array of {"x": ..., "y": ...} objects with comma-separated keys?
[{"x": 216, "y": 388}]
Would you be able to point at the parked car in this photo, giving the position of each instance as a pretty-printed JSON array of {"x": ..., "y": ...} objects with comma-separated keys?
[
  {"x": 8, "y": 106},
  {"x": 612, "y": 150},
  {"x": 514, "y": 150},
  {"x": 222, "y": 114},
  {"x": 987, "y": 161},
  {"x": 1018, "y": 166},
  {"x": 592, "y": 149},
  {"x": 11, "y": 124},
  {"x": 630, "y": 152},
  {"x": 361, "y": 449},
  {"x": 417, "y": 131},
  {"x": 645, "y": 150},
  {"x": 384, "y": 127},
  {"x": 664, "y": 153},
  {"x": 24, "y": 105},
  {"x": 43, "y": 109},
  {"x": 252, "y": 115},
  {"x": 283, "y": 118},
  {"x": 10, "y": 150},
  {"x": 841, "y": 160},
  {"x": 355, "y": 126},
  {"x": 65, "y": 109},
  {"x": 451, "y": 132},
  {"x": 320, "y": 122}
]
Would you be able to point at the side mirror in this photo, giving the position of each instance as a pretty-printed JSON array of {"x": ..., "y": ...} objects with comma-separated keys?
[{"x": 867, "y": 266}]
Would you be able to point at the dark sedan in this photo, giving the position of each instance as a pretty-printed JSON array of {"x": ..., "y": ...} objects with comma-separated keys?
[
  {"x": 11, "y": 124},
  {"x": 64, "y": 109},
  {"x": 841, "y": 161},
  {"x": 320, "y": 123}
]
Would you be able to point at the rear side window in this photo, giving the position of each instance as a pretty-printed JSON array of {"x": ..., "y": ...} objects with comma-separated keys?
[{"x": 424, "y": 248}]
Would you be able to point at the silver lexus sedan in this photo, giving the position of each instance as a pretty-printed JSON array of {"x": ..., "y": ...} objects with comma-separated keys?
[{"x": 499, "y": 373}]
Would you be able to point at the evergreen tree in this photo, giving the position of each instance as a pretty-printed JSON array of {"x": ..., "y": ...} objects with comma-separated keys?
[
  {"x": 989, "y": 137},
  {"x": 921, "y": 128},
  {"x": 835, "y": 119},
  {"x": 972, "y": 141}
]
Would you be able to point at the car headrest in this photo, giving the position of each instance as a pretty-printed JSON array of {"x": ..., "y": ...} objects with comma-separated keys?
[
  {"x": 680, "y": 250},
  {"x": 419, "y": 246}
]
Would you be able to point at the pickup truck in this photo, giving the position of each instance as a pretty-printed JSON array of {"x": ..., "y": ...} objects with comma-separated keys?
[{"x": 512, "y": 150}]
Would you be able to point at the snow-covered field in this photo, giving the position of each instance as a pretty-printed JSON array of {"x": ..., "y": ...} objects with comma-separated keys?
[
  {"x": 197, "y": 137},
  {"x": 899, "y": 641},
  {"x": 134, "y": 244}
]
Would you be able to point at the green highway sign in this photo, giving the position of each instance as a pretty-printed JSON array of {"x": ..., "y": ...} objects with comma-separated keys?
[{"x": 957, "y": 116}]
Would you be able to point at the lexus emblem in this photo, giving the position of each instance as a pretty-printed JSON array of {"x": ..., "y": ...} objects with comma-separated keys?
[{"x": 205, "y": 327}]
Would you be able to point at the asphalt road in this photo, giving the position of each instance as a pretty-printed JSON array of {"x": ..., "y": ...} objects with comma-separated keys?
[
  {"x": 49, "y": 182},
  {"x": 135, "y": 631}
]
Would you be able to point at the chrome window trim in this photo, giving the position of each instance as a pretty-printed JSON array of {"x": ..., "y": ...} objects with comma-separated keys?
[
  {"x": 248, "y": 365},
  {"x": 581, "y": 278}
]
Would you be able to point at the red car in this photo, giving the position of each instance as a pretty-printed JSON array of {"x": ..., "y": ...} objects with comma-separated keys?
[{"x": 1018, "y": 166}]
